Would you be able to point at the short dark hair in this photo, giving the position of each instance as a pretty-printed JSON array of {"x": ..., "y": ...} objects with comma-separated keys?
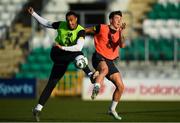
[
  {"x": 71, "y": 13},
  {"x": 112, "y": 14}
]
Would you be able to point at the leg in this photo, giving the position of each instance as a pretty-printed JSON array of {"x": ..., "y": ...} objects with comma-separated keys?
[
  {"x": 100, "y": 65},
  {"x": 56, "y": 73},
  {"x": 88, "y": 72},
  {"x": 103, "y": 71},
  {"x": 115, "y": 77},
  {"x": 70, "y": 56},
  {"x": 117, "y": 81}
]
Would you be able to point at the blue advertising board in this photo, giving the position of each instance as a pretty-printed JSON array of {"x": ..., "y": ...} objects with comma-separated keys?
[{"x": 17, "y": 88}]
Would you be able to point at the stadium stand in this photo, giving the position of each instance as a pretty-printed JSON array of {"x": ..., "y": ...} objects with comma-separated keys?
[
  {"x": 163, "y": 20},
  {"x": 138, "y": 14},
  {"x": 11, "y": 53},
  {"x": 162, "y": 26},
  {"x": 38, "y": 65}
]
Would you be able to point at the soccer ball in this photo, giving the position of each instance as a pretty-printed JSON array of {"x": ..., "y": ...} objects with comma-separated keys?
[{"x": 81, "y": 61}]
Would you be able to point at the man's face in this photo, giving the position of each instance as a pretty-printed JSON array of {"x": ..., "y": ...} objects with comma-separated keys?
[
  {"x": 72, "y": 21},
  {"x": 116, "y": 21}
]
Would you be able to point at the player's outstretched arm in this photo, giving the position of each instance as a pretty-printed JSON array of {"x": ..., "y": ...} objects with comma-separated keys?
[
  {"x": 41, "y": 20},
  {"x": 90, "y": 30}
]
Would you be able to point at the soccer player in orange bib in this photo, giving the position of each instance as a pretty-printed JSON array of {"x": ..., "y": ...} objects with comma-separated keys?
[{"x": 107, "y": 40}]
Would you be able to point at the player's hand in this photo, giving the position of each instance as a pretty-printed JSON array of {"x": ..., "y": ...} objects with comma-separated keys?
[
  {"x": 30, "y": 10},
  {"x": 58, "y": 45},
  {"x": 123, "y": 26}
]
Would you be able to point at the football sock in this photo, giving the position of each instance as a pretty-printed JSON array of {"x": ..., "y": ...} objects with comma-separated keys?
[
  {"x": 89, "y": 74},
  {"x": 39, "y": 107},
  {"x": 87, "y": 71},
  {"x": 113, "y": 105}
]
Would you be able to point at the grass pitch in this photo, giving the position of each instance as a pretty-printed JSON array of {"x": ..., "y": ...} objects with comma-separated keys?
[{"x": 73, "y": 109}]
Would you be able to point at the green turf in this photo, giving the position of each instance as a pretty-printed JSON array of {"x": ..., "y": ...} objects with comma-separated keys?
[{"x": 74, "y": 109}]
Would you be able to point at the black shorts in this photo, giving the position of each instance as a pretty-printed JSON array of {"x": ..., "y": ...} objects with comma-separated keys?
[
  {"x": 61, "y": 61},
  {"x": 59, "y": 56},
  {"x": 97, "y": 58}
]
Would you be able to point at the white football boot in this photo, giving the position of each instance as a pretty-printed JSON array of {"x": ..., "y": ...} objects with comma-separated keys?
[{"x": 114, "y": 114}]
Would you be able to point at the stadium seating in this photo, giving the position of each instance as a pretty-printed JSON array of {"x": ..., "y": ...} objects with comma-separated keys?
[
  {"x": 38, "y": 65},
  {"x": 162, "y": 26},
  {"x": 163, "y": 20},
  {"x": 13, "y": 36},
  {"x": 9, "y": 61},
  {"x": 137, "y": 14},
  {"x": 158, "y": 49},
  {"x": 8, "y": 11}
]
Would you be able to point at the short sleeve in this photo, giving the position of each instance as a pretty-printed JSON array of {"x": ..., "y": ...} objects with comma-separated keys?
[
  {"x": 81, "y": 33},
  {"x": 97, "y": 28},
  {"x": 55, "y": 25}
]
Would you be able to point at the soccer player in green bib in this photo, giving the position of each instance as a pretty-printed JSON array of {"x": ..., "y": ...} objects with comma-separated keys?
[{"x": 68, "y": 45}]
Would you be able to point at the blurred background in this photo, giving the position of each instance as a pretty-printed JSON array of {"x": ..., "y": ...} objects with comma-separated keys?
[{"x": 150, "y": 63}]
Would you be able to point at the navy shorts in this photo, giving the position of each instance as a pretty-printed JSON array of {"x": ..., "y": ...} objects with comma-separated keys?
[{"x": 97, "y": 58}]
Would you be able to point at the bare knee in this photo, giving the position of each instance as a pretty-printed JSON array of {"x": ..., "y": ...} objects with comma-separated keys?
[
  {"x": 104, "y": 71},
  {"x": 120, "y": 88},
  {"x": 103, "y": 68}
]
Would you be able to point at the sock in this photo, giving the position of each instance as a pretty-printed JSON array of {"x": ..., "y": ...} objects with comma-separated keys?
[
  {"x": 89, "y": 74},
  {"x": 39, "y": 107},
  {"x": 113, "y": 105},
  {"x": 87, "y": 71}
]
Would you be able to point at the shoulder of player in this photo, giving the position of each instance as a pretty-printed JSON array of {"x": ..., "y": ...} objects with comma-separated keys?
[
  {"x": 63, "y": 23},
  {"x": 58, "y": 24},
  {"x": 101, "y": 27},
  {"x": 80, "y": 27},
  {"x": 104, "y": 26}
]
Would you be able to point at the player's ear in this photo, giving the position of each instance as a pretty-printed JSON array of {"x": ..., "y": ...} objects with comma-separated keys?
[
  {"x": 110, "y": 20},
  {"x": 76, "y": 19}
]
